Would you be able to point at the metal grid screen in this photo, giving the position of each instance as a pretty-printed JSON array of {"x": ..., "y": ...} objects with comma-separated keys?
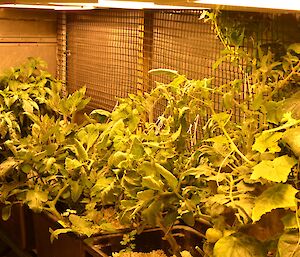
[
  {"x": 111, "y": 51},
  {"x": 103, "y": 54}
]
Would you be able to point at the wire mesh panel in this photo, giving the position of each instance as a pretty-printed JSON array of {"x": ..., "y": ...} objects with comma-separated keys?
[
  {"x": 104, "y": 48},
  {"x": 111, "y": 51},
  {"x": 183, "y": 42}
]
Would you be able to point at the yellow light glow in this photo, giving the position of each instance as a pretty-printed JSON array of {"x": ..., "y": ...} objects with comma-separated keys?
[
  {"x": 129, "y": 5},
  {"x": 100, "y": 4},
  {"x": 48, "y": 7},
  {"x": 293, "y": 5}
]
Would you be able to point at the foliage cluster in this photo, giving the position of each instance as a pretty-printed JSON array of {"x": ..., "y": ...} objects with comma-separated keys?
[{"x": 231, "y": 172}]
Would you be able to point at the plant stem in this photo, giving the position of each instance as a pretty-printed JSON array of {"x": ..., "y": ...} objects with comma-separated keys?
[{"x": 170, "y": 238}]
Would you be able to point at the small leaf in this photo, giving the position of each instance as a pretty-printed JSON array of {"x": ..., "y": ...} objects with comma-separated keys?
[
  {"x": 35, "y": 199},
  {"x": 278, "y": 196},
  {"x": 152, "y": 183},
  {"x": 7, "y": 165},
  {"x": 6, "y": 212},
  {"x": 288, "y": 244},
  {"x": 27, "y": 107},
  {"x": 168, "y": 72},
  {"x": 175, "y": 135},
  {"x": 276, "y": 170},
  {"x": 100, "y": 115},
  {"x": 267, "y": 141},
  {"x": 151, "y": 213},
  {"x": 81, "y": 153},
  {"x": 54, "y": 234},
  {"x": 168, "y": 176},
  {"x": 292, "y": 138},
  {"x": 294, "y": 47},
  {"x": 81, "y": 226},
  {"x": 145, "y": 195},
  {"x": 76, "y": 190},
  {"x": 238, "y": 245},
  {"x": 290, "y": 221},
  {"x": 72, "y": 164}
]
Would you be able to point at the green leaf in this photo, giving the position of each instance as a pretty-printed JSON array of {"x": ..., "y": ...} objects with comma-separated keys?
[
  {"x": 7, "y": 165},
  {"x": 175, "y": 135},
  {"x": 102, "y": 183},
  {"x": 137, "y": 149},
  {"x": 267, "y": 141},
  {"x": 168, "y": 176},
  {"x": 151, "y": 213},
  {"x": 116, "y": 158},
  {"x": 100, "y": 115},
  {"x": 72, "y": 164},
  {"x": 76, "y": 190},
  {"x": 278, "y": 196},
  {"x": 238, "y": 245},
  {"x": 81, "y": 153},
  {"x": 152, "y": 183},
  {"x": 276, "y": 170},
  {"x": 294, "y": 47},
  {"x": 81, "y": 226},
  {"x": 188, "y": 218},
  {"x": 36, "y": 198},
  {"x": 6, "y": 212},
  {"x": 54, "y": 234},
  {"x": 288, "y": 244},
  {"x": 168, "y": 72},
  {"x": 290, "y": 221},
  {"x": 145, "y": 195},
  {"x": 27, "y": 107},
  {"x": 292, "y": 138}
]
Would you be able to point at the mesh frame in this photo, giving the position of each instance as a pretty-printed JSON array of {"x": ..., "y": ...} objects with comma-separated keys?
[{"x": 111, "y": 51}]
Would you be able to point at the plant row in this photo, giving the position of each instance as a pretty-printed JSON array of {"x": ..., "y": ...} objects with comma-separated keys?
[{"x": 227, "y": 170}]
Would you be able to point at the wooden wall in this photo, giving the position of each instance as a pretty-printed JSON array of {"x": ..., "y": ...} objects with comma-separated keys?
[{"x": 27, "y": 33}]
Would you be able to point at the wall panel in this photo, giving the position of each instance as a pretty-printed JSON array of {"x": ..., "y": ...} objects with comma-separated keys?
[{"x": 27, "y": 33}]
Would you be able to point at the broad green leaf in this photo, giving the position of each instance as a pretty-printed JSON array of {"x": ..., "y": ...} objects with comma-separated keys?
[
  {"x": 81, "y": 153},
  {"x": 295, "y": 47},
  {"x": 168, "y": 176},
  {"x": 278, "y": 196},
  {"x": 116, "y": 158},
  {"x": 81, "y": 226},
  {"x": 292, "y": 138},
  {"x": 36, "y": 199},
  {"x": 221, "y": 117},
  {"x": 175, "y": 136},
  {"x": 145, "y": 195},
  {"x": 152, "y": 182},
  {"x": 100, "y": 115},
  {"x": 88, "y": 135},
  {"x": 276, "y": 170},
  {"x": 238, "y": 245},
  {"x": 151, "y": 213},
  {"x": 258, "y": 101},
  {"x": 137, "y": 149},
  {"x": 288, "y": 244},
  {"x": 188, "y": 218},
  {"x": 267, "y": 141},
  {"x": 244, "y": 207},
  {"x": 76, "y": 190},
  {"x": 228, "y": 100},
  {"x": 101, "y": 184},
  {"x": 27, "y": 107},
  {"x": 72, "y": 164},
  {"x": 7, "y": 165},
  {"x": 290, "y": 221}
]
